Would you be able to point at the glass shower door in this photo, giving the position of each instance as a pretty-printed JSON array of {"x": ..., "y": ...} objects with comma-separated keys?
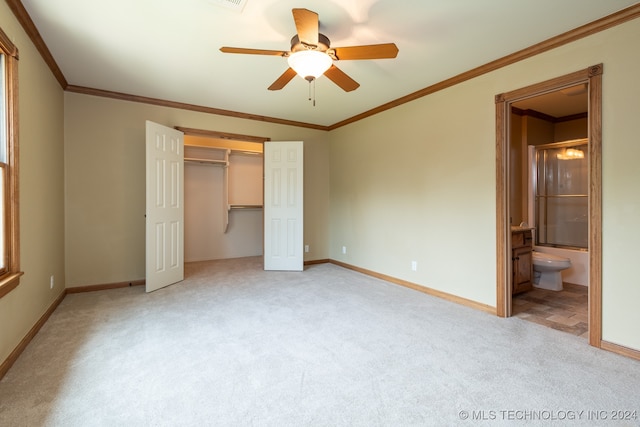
[{"x": 561, "y": 194}]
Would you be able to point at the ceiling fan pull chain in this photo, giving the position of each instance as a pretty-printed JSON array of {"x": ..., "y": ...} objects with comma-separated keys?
[{"x": 312, "y": 97}]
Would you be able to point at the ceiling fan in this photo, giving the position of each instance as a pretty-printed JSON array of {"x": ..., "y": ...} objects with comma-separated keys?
[{"x": 311, "y": 54}]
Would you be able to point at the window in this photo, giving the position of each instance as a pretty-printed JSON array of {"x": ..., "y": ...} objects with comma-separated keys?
[{"x": 9, "y": 235}]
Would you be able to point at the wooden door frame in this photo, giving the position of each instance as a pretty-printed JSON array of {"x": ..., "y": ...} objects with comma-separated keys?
[{"x": 592, "y": 76}]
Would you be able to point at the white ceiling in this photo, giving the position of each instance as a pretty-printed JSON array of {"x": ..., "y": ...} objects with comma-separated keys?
[{"x": 169, "y": 49}]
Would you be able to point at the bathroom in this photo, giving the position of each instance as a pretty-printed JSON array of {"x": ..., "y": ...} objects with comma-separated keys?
[{"x": 549, "y": 193}]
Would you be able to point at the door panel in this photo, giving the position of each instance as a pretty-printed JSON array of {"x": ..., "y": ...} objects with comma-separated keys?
[
  {"x": 283, "y": 205},
  {"x": 164, "y": 206}
]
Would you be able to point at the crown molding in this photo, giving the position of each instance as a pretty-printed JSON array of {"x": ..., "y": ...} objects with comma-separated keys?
[{"x": 190, "y": 107}]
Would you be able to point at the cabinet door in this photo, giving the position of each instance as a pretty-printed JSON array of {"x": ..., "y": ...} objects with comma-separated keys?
[{"x": 522, "y": 269}]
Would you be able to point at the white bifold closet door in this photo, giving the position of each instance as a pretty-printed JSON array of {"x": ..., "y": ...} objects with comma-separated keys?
[
  {"x": 164, "y": 206},
  {"x": 283, "y": 205}
]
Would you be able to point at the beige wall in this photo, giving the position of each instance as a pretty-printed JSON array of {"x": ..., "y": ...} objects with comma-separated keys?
[
  {"x": 105, "y": 181},
  {"x": 414, "y": 183},
  {"x": 573, "y": 129},
  {"x": 536, "y": 131},
  {"x": 417, "y": 184},
  {"x": 41, "y": 191}
]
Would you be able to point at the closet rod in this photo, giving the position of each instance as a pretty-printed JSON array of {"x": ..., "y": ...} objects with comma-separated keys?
[
  {"x": 245, "y": 152},
  {"x": 245, "y": 206},
  {"x": 213, "y": 162}
]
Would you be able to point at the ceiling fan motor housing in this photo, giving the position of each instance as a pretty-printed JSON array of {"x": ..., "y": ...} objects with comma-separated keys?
[{"x": 323, "y": 44}]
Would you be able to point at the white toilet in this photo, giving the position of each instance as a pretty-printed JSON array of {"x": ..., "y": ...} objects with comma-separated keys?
[{"x": 547, "y": 270}]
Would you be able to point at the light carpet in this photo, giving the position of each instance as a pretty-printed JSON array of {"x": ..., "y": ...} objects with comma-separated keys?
[{"x": 233, "y": 345}]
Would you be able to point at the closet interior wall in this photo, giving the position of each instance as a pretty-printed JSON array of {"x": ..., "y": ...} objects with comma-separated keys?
[{"x": 223, "y": 199}]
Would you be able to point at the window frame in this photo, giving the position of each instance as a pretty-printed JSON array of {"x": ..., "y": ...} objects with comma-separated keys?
[{"x": 10, "y": 274}]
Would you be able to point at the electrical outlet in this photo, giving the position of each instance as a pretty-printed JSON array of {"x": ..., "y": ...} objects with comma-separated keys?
[
  {"x": 306, "y": 248},
  {"x": 344, "y": 249},
  {"x": 51, "y": 282},
  {"x": 414, "y": 265}
]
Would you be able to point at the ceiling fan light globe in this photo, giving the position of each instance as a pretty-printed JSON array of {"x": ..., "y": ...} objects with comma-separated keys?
[{"x": 309, "y": 63}]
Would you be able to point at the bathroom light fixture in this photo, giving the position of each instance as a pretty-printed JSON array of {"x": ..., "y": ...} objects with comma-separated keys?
[
  {"x": 570, "y": 154},
  {"x": 309, "y": 64}
]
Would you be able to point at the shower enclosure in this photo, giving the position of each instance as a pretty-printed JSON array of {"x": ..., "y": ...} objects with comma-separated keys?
[{"x": 561, "y": 194}]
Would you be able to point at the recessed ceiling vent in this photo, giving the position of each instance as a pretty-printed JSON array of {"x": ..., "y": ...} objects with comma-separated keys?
[{"x": 236, "y": 5}]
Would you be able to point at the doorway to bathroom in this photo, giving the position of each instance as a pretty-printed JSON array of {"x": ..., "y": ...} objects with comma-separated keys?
[
  {"x": 554, "y": 201},
  {"x": 565, "y": 109}
]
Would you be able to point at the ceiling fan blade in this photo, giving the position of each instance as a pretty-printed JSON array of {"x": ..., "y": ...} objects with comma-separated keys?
[
  {"x": 338, "y": 76},
  {"x": 283, "y": 79},
  {"x": 306, "y": 25},
  {"x": 226, "y": 49},
  {"x": 372, "y": 51}
]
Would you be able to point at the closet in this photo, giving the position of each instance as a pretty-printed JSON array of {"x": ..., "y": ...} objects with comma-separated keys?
[{"x": 223, "y": 198}]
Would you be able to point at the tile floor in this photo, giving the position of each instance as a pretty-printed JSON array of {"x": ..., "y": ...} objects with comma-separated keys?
[{"x": 564, "y": 310}]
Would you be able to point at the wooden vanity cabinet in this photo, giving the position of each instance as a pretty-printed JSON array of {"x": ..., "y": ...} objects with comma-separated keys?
[{"x": 522, "y": 260}]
